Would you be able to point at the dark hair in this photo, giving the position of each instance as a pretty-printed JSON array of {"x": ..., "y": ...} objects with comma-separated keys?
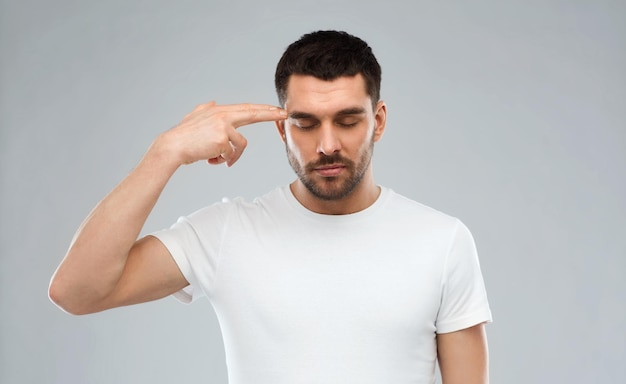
[{"x": 328, "y": 55}]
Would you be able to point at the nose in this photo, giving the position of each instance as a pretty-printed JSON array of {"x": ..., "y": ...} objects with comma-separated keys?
[{"x": 328, "y": 140}]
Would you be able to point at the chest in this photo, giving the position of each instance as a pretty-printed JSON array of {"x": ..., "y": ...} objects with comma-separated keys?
[{"x": 329, "y": 279}]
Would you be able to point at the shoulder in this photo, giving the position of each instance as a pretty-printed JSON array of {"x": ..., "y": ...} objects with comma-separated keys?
[
  {"x": 230, "y": 207},
  {"x": 405, "y": 208}
]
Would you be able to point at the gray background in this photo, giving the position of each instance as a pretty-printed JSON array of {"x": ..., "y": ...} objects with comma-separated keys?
[{"x": 509, "y": 115}]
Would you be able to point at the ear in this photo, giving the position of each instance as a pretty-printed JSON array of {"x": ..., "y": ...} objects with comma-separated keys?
[
  {"x": 280, "y": 125},
  {"x": 380, "y": 120}
]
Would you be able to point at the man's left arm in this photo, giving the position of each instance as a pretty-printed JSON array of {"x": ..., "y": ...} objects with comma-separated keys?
[{"x": 463, "y": 356}]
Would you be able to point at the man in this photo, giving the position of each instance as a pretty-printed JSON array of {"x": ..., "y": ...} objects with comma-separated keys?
[{"x": 331, "y": 279}]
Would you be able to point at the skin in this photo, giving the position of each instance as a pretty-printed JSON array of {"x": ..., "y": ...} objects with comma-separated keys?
[
  {"x": 332, "y": 119},
  {"x": 328, "y": 128},
  {"x": 463, "y": 356}
]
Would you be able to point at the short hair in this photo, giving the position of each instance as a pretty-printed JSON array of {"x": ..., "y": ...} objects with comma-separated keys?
[{"x": 328, "y": 55}]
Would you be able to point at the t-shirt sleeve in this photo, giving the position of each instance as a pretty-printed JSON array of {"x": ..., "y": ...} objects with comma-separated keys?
[
  {"x": 463, "y": 295},
  {"x": 194, "y": 243}
]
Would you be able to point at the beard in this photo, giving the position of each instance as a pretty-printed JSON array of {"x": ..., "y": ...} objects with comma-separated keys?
[{"x": 332, "y": 188}]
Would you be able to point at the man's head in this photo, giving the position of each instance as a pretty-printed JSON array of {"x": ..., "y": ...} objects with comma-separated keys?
[
  {"x": 328, "y": 55},
  {"x": 329, "y": 83}
]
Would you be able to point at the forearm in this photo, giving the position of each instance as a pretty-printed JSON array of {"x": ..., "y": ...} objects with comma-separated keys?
[{"x": 97, "y": 255}]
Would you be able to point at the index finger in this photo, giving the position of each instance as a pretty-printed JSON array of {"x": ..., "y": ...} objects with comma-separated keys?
[{"x": 244, "y": 114}]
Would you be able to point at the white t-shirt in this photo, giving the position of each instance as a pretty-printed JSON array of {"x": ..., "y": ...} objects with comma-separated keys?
[{"x": 303, "y": 297}]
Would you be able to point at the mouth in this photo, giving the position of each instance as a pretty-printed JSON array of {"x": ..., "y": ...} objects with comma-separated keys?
[{"x": 331, "y": 170}]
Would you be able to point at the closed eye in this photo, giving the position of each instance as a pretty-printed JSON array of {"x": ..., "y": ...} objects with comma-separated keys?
[
  {"x": 304, "y": 124},
  {"x": 346, "y": 118},
  {"x": 348, "y": 123}
]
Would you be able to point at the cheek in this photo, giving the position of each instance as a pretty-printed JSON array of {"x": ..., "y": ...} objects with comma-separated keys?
[
  {"x": 360, "y": 142},
  {"x": 293, "y": 143}
]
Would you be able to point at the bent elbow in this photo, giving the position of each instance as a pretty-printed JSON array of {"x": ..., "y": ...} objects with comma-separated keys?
[
  {"x": 62, "y": 298},
  {"x": 57, "y": 296}
]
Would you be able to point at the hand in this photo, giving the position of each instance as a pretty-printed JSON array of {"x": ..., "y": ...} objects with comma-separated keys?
[{"x": 210, "y": 133}]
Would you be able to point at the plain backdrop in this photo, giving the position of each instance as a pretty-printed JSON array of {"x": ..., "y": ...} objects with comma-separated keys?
[{"x": 510, "y": 115}]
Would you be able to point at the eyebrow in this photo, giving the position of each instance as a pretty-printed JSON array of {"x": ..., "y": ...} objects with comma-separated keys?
[{"x": 344, "y": 112}]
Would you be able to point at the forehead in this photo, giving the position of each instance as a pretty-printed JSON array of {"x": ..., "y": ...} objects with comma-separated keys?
[{"x": 310, "y": 94}]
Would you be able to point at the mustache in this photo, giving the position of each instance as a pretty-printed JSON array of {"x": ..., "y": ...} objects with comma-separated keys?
[{"x": 335, "y": 158}]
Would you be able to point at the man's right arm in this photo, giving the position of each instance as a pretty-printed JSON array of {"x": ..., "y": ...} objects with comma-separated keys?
[{"x": 106, "y": 266}]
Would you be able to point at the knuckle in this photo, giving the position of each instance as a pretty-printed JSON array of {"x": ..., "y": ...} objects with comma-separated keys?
[
  {"x": 221, "y": 140},
  {"x": 221, "y": 117}
]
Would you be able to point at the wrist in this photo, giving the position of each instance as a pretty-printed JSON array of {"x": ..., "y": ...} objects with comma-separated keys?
[{"x": 164, "y": 152}]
